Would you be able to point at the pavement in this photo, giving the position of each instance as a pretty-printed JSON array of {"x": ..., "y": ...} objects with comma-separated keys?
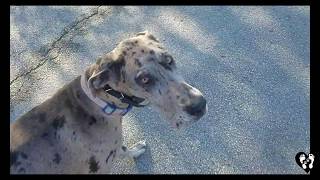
[{"x": 252, "y": 63}]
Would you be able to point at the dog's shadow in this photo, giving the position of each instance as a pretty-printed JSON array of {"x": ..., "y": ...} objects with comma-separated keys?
[{"x": 144, "y": 163}]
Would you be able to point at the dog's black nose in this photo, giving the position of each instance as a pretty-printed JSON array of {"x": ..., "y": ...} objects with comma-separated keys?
[{"x": 197, "y": 109}]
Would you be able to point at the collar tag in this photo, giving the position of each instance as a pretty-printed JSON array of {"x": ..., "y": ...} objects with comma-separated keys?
[{"x": 109, "y": 109}]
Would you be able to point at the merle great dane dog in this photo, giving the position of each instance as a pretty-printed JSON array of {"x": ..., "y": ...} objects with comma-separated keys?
[{"x": 78, "y": 130}]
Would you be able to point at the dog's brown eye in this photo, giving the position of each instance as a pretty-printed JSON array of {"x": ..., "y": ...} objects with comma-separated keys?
[{"x": 145, "y": 80}]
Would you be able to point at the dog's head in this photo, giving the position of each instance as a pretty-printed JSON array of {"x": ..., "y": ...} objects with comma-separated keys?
[{"x": 140, "y": 66}]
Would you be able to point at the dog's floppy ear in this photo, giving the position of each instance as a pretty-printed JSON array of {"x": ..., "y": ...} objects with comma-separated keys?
[
  {"x": 148, "y": 35},
  {"x": 104, "y": 71},
  {"x": 142, "y": 33}
]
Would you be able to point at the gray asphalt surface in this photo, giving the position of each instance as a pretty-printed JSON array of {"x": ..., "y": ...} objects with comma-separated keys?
[{"x": 252, "y": 64}]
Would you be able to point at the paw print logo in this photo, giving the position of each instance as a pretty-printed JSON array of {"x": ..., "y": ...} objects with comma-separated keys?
[{"x": 305, "y": 161}]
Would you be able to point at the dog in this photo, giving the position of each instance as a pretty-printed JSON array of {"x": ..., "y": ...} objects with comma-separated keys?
[{"x": 78, "y": 130}]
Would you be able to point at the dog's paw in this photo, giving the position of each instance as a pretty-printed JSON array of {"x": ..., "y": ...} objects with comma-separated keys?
[
  {"x": 139, "y": 145},
  {"x": 138, "y": 149}
]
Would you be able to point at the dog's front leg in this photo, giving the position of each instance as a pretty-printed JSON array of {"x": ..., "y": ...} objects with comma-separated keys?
[{"x": 133, "y": 152}]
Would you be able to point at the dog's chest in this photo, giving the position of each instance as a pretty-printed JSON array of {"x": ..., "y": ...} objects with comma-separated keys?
[{"x": 92, "y": 147}]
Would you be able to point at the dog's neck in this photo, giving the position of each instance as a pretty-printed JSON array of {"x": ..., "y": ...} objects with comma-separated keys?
[{"x": 109, "y": 104}]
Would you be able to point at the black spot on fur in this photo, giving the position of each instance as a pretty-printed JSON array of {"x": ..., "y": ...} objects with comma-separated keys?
[
  {"x": 57, "y": 158},
  {"x": 177, "y": 124},
  {"x": 44, "y": 135},
  {"x": 116, "y": 128},
  {"x": 159, "y": 92},
  {"x": 22, "y": 170},
  {"x": 150, "y": 36},
  {"x": 110, "y": 154},
  {"x": 24, "y": 155},
  {"x": 160, "y": 47},
  {"x": 124, "y": 52},
  {"x": 78, "y": 94},
  {"x": 17, "y": 163},
  {"x": 123, "y": 76},
  {"x": 115, "y": 142},
  {"x": 124, "y": 148},
  {"x": 142, "y": 50},
  {"x": 151, "y": 59},
  {"x": 68, "y": 103},
  {"x": 133, "y": 53},
  {"x": 14, "y": 158},
  {"x": 92, "y": 121},
  {"x": 128, "y": 43},
  {"x": 80, "y": 112},
  {"x": 136, "y": 41},
  {"x": 151, "y": 51},
  {"x": 113, "y": 155},
  {"x": 116, "y": 67},
  {"x": 42, "y": 117},
  {"x": 73, "y": 133},
  {"x": 137, "y": 62},
  {"x": 58, "y": 122},
  {"x": 131, "y": 44},
  {"x": 93, "y": 165}
]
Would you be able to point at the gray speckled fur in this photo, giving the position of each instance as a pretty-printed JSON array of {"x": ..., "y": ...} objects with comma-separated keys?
[
  {"x": 69, "y": 133},
  {"x": 75, "y": 140}
]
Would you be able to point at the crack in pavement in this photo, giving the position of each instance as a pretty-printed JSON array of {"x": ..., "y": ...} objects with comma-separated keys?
[
  {"x": 42, "y": 61},
  {"x": 14, "y": 54},
  {"x": 15, "y": 93},
  {"x": 73, "y": 27}
]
